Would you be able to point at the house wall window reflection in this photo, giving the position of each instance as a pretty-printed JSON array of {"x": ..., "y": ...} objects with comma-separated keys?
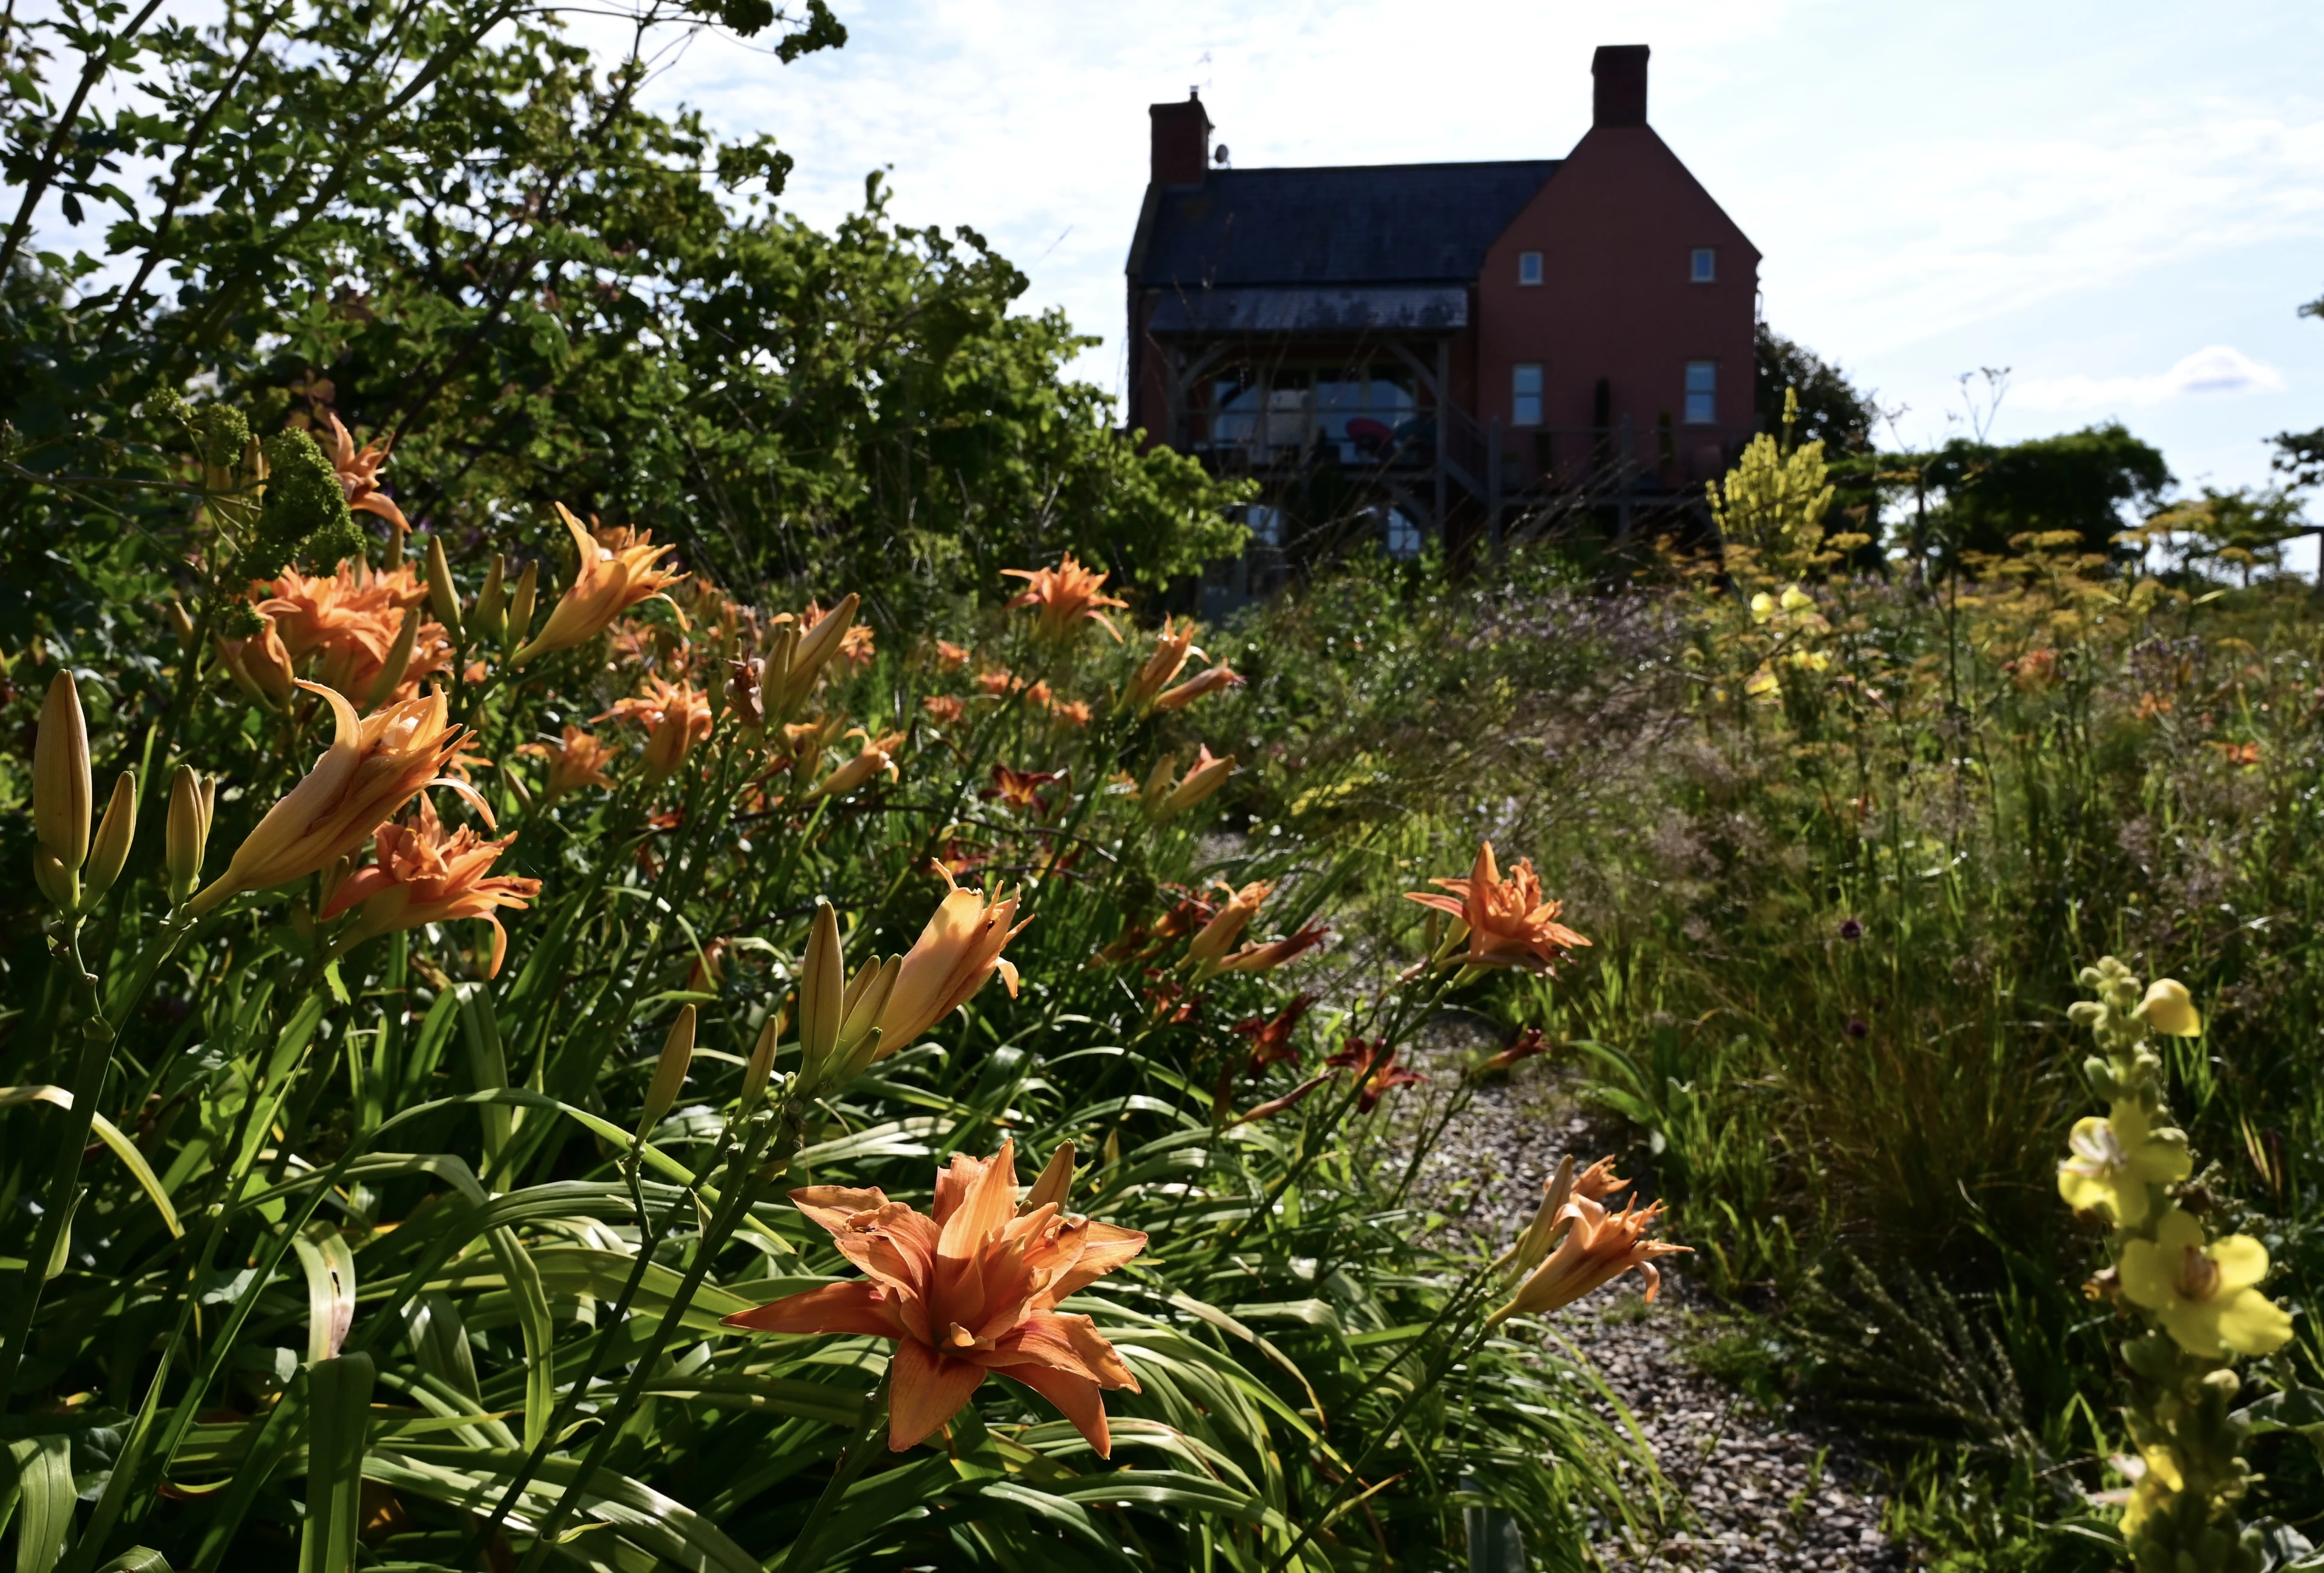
[
  {"x": 1701, "y": 392},
  {"x": 1525, "y": 393}
]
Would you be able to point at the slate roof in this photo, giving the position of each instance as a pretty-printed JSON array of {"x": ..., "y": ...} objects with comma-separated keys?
[{"x": 1362, "y": 224}]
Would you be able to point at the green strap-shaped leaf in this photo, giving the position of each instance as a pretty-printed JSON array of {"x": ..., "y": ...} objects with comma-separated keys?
[
  {"x": 329, "y": 1264},
  {"x": 44, "y": 1500},
  {"x": 338, "y": 1421},
  {"x": 137, "y": 1559},
  {"x": 110, "y": 1135},
  {"x": 487, "y": 1067},
  {"x": 440, "y": 1342},
  {"x": 539, "y": 1332}
]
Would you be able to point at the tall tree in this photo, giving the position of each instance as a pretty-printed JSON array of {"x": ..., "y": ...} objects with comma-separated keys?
[
  {"x": 448, "y": 224},
  {"x": 1832, "y": 410}
]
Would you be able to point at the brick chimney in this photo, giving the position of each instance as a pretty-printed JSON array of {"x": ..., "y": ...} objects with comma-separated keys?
[
  {"x": 1620, "y": 98},
  {"x": 1181, "y": 142}
]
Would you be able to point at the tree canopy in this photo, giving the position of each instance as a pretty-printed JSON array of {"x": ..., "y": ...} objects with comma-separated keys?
[{"x": 448, "y": 225}]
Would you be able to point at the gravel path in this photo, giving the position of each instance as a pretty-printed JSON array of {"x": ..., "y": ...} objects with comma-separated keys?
[{"x": 1760, "y": 1491}]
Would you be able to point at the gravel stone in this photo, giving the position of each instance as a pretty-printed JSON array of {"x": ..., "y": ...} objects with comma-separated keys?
[{"x": 1753, "y": 1491}]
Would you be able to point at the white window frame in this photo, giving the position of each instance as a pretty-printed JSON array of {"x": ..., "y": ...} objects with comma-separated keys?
[
  {"x": 1709, "y": 393},
  {"x": 1529, "y": 269},
  {"x": 1702, "y": 266},
  {"x": 1518, "y": 392}
]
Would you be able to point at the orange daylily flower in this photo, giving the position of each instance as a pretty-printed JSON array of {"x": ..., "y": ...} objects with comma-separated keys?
[
  {"x": 1212, "y": 941},
  {"x": 1524, "y": 1046},
  {"x": 359, "y": 475},
  {"x": 951, "y": 657},
  {"x": 876, "y": 755},
  {"x": 577, "y": 760},
  {"x": 1202, "y": 779},
  {"x": 1072, "y": 712},
  {"x": 1509, "y": 924},
  {"x": 675, "y": 718},
  {"x": 424, "y": 876},
  {"x": 1275, "y": 1106},
  {"x": 1597, "y": 1246},
  {"x": 315, "y": 612},
  {"x": 955, "y": 953},
  {"x": 1376, "y": 1072},
  {"x": 617, "y": 569},
  {"x": 1270, "y": 1036},
  {"x": 969, "y": 1291},
  {"x": 1021, "y": 789},
  {"x": 944, "y": 709},
  {"x": 374, "y": 767},
  {"x": 1068, "y": 595},
  {"x": 258, "y": 665},
  {"x": 1194, "y": 688},
  {"x": 1268, "y": 956},
  {"x": 1159, "y": 670}
]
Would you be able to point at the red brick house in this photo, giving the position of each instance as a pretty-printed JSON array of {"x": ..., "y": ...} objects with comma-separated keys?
[{"x": 1448, "y": 348}]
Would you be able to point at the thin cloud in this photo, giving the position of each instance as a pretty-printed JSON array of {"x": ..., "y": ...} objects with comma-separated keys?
[{"x": 2215, "y": 370}]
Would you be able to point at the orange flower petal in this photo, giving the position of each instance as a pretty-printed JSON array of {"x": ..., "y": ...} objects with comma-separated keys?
[
  {"x": 925, "y": 1390},
  {"x": 854, "y": 1307},
  {"x": 1076, "y": 1398}
]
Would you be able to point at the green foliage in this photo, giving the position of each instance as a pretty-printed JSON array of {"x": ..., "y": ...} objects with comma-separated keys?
[
  {"x": 447, "y": 224},
  {"x": 1974, "y": 497},
  {"x": 305, "y": 514},
  {"x": 2300, "y": 455},
  {"x": 1832, "y": 410},
  {"x": 1837, "y": 925}
]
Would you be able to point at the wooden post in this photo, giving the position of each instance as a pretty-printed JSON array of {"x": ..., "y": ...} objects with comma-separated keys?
[
  {"x": 1443, "y": 436},
  {"x": 1493, "y": 486},
  {"x": 1625, "y": 469}
]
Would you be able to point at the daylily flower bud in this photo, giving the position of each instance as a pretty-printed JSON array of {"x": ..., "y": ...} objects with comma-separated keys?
[
  {"x": 2170, "y": 1010},
  {"x": 819, "y": 644},
  {"x": 1159, "y": 780},
  {"x": 399, "y": 659},
  {"x": 670, "y": 1071},
  {"x": 613, "y": 572},
  {"x": 876, "y": 755},
  {"x": 110, "y": 850},
  {"x": 374, "y": 767},
  {"x": 488, "y": 618},
  {"x": 1159, "y": 670},
  {"x": 184, "y": 624},
  {"x": 867, "y": 998},
  {"x": 61, "y": 794},
  {"x": 1194, "y": 688},
  {"x": 1532, "y": 1247},
  {"x": 1055, "y": 1181},
  {"x": 822, "y": 993},
  {"x": 1211, "y": 942},
  {"x": 260, "y": 665},
  {"x": 762, "y": 1062},
  {"x": 191, "y": 799},
  {"x": 520, "y": 604},
  {"x": 1205, "y": 776},
  {"x": 442, "y": 593},
  {"x": 955, "y": 953}
]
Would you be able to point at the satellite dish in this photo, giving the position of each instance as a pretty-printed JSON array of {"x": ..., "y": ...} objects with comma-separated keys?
[{"x": 1219, "y": 156}]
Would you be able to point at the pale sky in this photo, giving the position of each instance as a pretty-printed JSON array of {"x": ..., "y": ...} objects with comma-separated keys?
[{"x": 2121, "y": 202}]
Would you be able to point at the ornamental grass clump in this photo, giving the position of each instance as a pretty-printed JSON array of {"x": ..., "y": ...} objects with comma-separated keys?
[{"x": 2195, "y": 1289}]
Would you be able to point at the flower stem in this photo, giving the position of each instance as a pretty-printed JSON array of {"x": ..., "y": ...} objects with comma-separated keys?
[{"x": 861, "y": 1446}]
